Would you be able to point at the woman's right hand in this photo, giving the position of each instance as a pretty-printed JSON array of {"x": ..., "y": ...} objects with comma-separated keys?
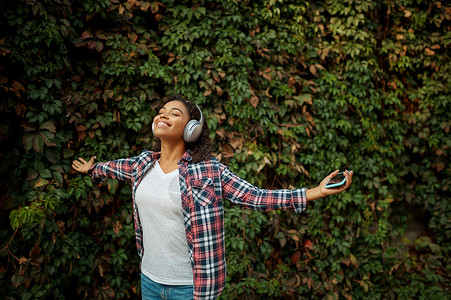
[{"x": 82, "y": 165}]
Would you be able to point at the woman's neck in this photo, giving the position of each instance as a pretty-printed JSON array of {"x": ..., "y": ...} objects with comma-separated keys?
[{"x": 170, "y": 155}]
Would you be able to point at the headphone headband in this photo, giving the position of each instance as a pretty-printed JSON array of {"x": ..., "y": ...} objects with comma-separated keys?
[{"x": 201, "y": 121}]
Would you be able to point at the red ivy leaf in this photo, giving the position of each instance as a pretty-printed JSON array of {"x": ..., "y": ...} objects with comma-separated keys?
[
  {"x": 38, "y": 143},
  {"x": 49, "y": 125},
  {"x": 296, "y": 257},
  {"x": 86, "y": 35},
  {"x": 27, "y": 141}
]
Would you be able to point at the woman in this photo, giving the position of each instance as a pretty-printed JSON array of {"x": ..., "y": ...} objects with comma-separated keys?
[{"x": 178, "y": 208}]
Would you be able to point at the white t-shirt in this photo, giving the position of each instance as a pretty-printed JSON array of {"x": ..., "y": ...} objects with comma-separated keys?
[{"x": 166, "y": 259}]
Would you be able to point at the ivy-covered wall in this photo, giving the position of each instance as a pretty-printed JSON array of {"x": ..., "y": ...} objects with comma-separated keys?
[{"x": 291, "y": 91}]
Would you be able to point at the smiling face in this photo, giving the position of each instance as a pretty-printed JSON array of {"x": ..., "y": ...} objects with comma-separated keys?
[{"x": 170, "y": 121}]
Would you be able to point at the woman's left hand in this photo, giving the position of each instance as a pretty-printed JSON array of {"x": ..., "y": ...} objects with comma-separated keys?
[{"x": 326, "y": 192}]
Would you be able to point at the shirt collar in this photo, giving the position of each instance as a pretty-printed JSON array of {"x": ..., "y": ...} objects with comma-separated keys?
[
  {"x": 155, "y": 155},
  {"x": 187, "y": 156}
]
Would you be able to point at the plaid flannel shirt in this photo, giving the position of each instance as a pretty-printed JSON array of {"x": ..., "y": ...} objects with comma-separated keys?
[{"x": 203, "y": 186}]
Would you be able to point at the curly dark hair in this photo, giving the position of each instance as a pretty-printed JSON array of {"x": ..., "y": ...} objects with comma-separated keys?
[{"x": 200, "y": 149}]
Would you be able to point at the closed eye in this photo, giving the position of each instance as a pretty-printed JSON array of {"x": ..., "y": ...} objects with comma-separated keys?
[{"x": 174, "y": 111}]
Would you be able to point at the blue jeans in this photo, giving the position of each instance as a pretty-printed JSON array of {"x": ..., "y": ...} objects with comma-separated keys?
[{"x": 152, "y": 290}]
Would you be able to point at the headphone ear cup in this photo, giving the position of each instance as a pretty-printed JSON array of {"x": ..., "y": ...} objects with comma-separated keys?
[
  {"x": 192, "y": 132},
  {"x": 153, "y": 128}
]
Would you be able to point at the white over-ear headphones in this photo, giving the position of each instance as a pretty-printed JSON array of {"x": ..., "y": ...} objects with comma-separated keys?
[{"x": 193, "y": 129}]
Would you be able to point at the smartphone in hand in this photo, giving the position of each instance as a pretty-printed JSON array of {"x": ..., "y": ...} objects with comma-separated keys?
[{"x": 336, "y": 181}]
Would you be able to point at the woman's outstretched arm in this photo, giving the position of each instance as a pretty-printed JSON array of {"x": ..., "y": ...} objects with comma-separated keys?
[
  {"x": 122, "y": 169},
  {"x": 242, "y": 193}
]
